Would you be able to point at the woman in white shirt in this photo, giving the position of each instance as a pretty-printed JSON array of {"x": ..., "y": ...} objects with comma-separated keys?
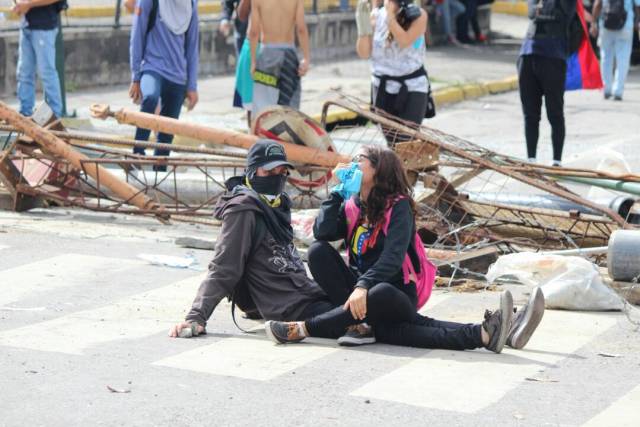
[{"x": 393, "y": 38}]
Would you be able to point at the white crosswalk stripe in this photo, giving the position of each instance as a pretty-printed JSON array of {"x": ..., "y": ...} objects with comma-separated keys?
[
  {"x": 435, "y": 381},
  {"x": 134, "y": 317},
  {"x": 3, "y": 247},
  {"x": 61, "y": 271},
  {"x": 248, "y": 357},
  {"x": 625, "y": 412}
]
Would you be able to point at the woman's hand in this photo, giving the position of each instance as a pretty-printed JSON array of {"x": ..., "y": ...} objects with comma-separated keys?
[
  {"x": 175, "y": 330},
  {"x": 357, "y": 303},
  {"x": 391, "y": 7}
]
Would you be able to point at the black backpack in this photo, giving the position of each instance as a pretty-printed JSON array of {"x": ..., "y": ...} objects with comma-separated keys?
[
  {"x": 614, "y": 16},
  {"x": 576, "y": 34},
  {"x": 556, "y": 18}
]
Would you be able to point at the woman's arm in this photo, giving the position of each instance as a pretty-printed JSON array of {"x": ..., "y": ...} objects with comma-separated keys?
[
  {"x": 406, "y": 38},
  {"x": 331, "y": 224},
  {"x": 396, "y": 243},
  {"x": 365, "y": 22}
]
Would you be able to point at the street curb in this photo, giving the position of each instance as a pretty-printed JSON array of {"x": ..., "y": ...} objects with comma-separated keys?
[
  {"x": 520, "y": 8},
  {"x": 109, "y": 11},
  {"x": 444, "y": 96}
]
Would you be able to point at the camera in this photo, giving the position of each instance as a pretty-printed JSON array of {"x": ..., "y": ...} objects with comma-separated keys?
[{"x": 408, "y": 12}]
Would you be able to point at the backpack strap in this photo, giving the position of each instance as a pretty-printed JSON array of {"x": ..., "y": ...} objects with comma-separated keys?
[
  {"x": 153, "y": 16},
  {"x": 259, "y": 232}
]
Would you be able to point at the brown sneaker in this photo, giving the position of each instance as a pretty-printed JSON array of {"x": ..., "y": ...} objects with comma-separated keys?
[
  {"x": 526, "y": 320},
  {"x": 497, "y": 323},
  {"x": 283, "y": 332}
]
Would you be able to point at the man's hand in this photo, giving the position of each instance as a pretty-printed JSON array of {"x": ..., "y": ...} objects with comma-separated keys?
[
  {"x": 192, "y": 99},
  {"x": 594, "y": 29},
  {"x": 339, "y": 166},
  {"x": 357, "y": 303},
  {"x": 135, "y": 93},
  {"x": 303, "y": 67},
  {"x": 225, "y": 27},
  {"x": 21, "y": 7},
  {"x": 253, "y": 68},
  {"x": 175, "y": 330}
]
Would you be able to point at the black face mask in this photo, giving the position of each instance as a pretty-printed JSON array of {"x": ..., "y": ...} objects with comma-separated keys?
[{"x": 272, "y": 185}]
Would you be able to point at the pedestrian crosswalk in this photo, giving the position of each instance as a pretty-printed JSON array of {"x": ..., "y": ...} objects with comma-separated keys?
[{"x": 429, "y": 380}]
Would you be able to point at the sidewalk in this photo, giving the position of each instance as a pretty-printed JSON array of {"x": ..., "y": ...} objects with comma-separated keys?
[{"x": 454, "y": 72}]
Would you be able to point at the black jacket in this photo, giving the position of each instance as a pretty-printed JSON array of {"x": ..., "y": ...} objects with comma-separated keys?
[{"x": 383, "y": 262}]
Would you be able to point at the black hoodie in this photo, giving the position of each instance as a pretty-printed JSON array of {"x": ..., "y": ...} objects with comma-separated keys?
[{"x": 273, "y": 271}]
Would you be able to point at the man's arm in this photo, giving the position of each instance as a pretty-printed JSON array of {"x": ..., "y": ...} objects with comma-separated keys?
[
  {"x": 244, "y": 9},
  {"x": 233, "y": 247},
  {"x": 303, "y": 38},
  {"x": 255, "y": 28},
  {"x": 137, "y": 43},
  {"x": 192, "y": 43},
  {"x": 22, "y": 7},
  {"x": 595, "y": 13},
  {"x": 228, "y": 7}
]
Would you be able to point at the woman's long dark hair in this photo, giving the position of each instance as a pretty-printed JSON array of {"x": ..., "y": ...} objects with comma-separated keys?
[{"x": 389, "y": 181}]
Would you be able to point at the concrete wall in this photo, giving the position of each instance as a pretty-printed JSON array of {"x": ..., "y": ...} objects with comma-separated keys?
[{"x": 100, "y": 56}]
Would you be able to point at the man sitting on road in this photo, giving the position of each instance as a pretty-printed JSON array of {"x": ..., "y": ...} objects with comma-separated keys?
[{"x": 255, "y": 259}]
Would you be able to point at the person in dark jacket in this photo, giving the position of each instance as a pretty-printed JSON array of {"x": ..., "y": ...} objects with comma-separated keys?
[
  {"x": 270, "y": 269},
  {"x": 542, "y": 71},
  {"x": 373, "y": 301},
  {"x": 40, "y": 20},
  {"x": 231, "y": 14}
]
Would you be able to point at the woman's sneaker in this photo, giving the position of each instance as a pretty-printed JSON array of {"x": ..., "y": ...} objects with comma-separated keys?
[
  {"x": 357, "y": 335},
  {"x": 526, "y": 320},
  {"x": 284, "y": 332},
  {"x": 497, "y": 323}
]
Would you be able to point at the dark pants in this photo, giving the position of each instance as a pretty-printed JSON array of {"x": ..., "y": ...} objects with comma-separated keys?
[
  {"x": 539, "y": 77},
  {"x": 171, "y": 96},
  {"x": 391, "y": 309},
  {"x": 413, "y": 110},
  {"x": 470, "y": 15}
]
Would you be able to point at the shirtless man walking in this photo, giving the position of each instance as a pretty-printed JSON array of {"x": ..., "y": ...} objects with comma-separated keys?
[{"x": 276, "y": 69}]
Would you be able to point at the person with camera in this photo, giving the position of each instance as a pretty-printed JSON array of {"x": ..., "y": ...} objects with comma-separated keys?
[
  {"x": 542, "y": 71},
  {"x": 614, "y": 24},
  {"x": 393, "y": 38},
  {"x": 39, "y": 24}
]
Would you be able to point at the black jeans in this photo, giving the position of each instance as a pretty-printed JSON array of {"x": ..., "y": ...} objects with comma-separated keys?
[
  {"x": 469, "y": 16},
  {"x": 391, "y": 309},
  {"x": 539, "y": 77},
  {"x": 413, "y": 110}
]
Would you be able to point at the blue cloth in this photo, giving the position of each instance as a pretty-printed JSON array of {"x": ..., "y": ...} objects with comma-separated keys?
[
  {"x": 244, "y": 80},
  {"x": 173, "y": 57},
  {"x": 350, "y": 181},
  {"x": 615, "y": 45},
  {"x": 548, "y": 47},
  {"x": 37, "y": 52},
  {"x": 156, "y": 88}
]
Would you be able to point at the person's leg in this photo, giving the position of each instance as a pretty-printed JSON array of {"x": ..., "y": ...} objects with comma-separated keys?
[
  {"x": 44, "y": 43},
  {"x": 330, "y": 272},
  {"x": 607, "y": 53},
  {"x": 424, "y": 332},
  {"x": 623, "y": 44},
  {"x": 462, "y": 24},
  {"x": 473, "y": 19},
  {"x": 26, "y": 72},
  {"x": 444, "y": 10},
  {"x": 531, "y": 100},
  {"x": 150, "y": 87},
  {"x": 415, "y": 108},
  {"x": 553, "y": 75},
  {"x": 171, "y": 97},
  {"x": 385, "y": 304}
]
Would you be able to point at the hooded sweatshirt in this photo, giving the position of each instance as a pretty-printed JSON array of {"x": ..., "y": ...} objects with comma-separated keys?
[{"x": 273, "y": 271}]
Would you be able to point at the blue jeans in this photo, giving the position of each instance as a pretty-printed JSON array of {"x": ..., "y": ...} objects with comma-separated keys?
[
  {"x": 171, "y": 96},
  {"x": 615, "y": 45},
  {"x": 450, "y": 9},
  {"x": 37, "y": 52}
]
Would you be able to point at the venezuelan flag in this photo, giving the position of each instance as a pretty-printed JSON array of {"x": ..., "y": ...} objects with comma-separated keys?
[{"x": 583, "y": 69}]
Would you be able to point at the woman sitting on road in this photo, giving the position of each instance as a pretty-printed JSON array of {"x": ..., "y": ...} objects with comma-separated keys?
[{"x": 386, "y": 262}]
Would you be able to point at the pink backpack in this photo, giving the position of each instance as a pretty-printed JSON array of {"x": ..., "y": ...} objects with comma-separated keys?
[{"x": 425, "y": 278}]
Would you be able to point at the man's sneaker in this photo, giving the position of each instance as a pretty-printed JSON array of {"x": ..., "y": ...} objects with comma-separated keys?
[
  {"x": 526, "y": 320},
  {"x": 283, "y": 332},
  {"x": 357, "y": 335},
  {"x": 497, "y": 323}
]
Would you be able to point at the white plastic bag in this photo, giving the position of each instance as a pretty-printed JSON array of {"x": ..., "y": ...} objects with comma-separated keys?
[{"x": 568, "y": 282}]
